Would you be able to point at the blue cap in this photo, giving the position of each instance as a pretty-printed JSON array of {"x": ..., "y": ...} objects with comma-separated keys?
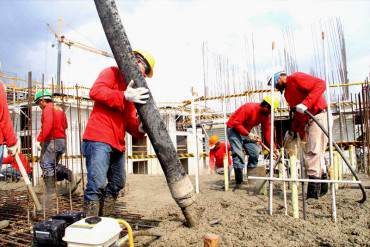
[{"x": 276, "y": 78}]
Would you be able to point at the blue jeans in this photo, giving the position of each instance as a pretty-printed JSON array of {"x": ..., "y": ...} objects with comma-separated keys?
[
  {"x": 103, "y": 163},
  {"x": 238, "y": 144},
  {"x": 1, "y": 154},
  {"x": 53, "y": 151}
]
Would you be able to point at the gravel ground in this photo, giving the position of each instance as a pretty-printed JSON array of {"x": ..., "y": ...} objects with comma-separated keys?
[{"x": 242, "y": 219}]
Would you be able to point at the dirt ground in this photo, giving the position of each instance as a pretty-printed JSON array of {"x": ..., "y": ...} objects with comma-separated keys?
[{"x": 241, "y": 219}]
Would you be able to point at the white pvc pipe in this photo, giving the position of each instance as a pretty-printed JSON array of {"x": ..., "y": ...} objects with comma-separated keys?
[
  {"x": 226, "y": 164},
  {"x": 196, "y": 155},
  {"x": 305, "y": 180}
]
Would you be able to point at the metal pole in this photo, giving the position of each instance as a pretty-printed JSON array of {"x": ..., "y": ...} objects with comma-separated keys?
[
  {"x": 59, "y": 60},
  {"x": 272, "y": 132},
  {"x": 80, "y": 136},
  {"x": 330, "y": 123},
  {"x": 302, "y": 184}
]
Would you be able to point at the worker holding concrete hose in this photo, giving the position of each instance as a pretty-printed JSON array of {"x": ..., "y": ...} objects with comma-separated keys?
[
  {"x": 52, "y": 141},
  {"x": 239, "y": 127},
  {"x": 217, "y": 152},
  {"x": 113, "y": 114},
  {"x": 305, "y": 92},
  {"x": 7, "y": 134}
]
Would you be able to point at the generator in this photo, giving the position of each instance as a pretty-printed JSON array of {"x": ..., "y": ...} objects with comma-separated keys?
[
  {"x": 73, "y": 230},
  {"x": 51, "y": 231},
  {"x": 93, "y": 231}
]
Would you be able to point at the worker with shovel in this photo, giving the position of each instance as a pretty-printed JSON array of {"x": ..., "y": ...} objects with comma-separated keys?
[
  {"x": 7, "y": 135},
  {"x": 52, "y": 142},
  {"x": 305, "y": 92},
  {"x": 103, "y": 144},
  {"x": 239, "y": 132}
]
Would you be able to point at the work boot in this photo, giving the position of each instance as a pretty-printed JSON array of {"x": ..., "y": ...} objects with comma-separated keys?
[
  {"x": 238, "y": 178},
  {"x": 313, "y": 189},
  {"x": 91, "y": 208},
  {"x": 256, "y": 185},
  {"x": 108, "y": 206},
  {"x": 324, "y": 186},
  {"x": 49, "y": 184}
]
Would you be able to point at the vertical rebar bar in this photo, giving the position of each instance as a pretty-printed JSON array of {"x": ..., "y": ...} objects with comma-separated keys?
[
  {"x": 329, "y": 119},
  {"x": 80, "y": 135},
  {"x": 272, "y": 132}
]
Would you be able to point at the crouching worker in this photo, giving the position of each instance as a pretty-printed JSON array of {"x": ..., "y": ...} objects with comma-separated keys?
[
  {"x": 103, "y": 144},
  {"x": 240, "y": 124},
  {"x": 217, "y": 152},
  {"x": 10, "y": 160},
  {"x": 52, "y": 142}
]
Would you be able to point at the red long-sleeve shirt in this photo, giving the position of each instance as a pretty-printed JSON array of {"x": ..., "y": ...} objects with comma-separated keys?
[
  {"x": 308, "y": 90},
  {"x": 7, "y": 134},
  {"x": 217, "y": 154},
  {"x": 53, "y": 123},
  {"x": 248, "y": 116},
  {"x": 11, "y": 161},
  {"x": 112, "y": 115}
]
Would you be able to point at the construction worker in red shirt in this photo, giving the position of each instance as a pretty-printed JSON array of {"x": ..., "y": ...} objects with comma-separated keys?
[
  {"x": 52, "y": 141},
  {"x": 239, "y": 132},
  {"x": 10, "y": 160},
  {"x": 103, "y": 145},
  {"x": 305, "y": 92},
  {"x": 217, "y": 152},
  {"x": 7, "y": 135}
]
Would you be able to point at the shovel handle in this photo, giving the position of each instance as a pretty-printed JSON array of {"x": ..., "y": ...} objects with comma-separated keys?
[{"x": 28, "y": 183}]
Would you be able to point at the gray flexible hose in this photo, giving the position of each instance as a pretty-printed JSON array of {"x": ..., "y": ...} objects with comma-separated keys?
[{"x": 341, "y": 154}]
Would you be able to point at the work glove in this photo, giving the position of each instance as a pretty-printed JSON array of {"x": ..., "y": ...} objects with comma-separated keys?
[
  {"x": 137, "y": 95},
  {"x": 141, "y": 128},
  {"x": 38, "y": 146},
  {"x": 301, "y": 108},
  {"x": 253, "y": 137},
  {"x": 16, "y": 148},
  {"x": 289, "y": 136}
]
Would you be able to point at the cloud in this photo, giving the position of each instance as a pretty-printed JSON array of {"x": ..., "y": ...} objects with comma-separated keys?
[{"x": 174, "y": 31}]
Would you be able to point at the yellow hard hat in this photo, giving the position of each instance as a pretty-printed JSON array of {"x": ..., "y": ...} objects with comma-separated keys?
[
  {"x": 213, "y": 140},
  {"x": 149, "y": 60},
  {"x": 268, "y": 99}
]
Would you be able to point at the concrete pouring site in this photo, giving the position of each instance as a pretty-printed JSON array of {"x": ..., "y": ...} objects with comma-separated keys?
[{"x": 126, "y": 127}]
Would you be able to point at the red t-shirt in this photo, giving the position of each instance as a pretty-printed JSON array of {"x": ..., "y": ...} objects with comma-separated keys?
[
  {"x": 248, "y": 116},
  {"x": 112, "y": 115},
  {"x": 308, "y": 90},
  {"x": 7, "y": 135},
  {"x": 53, "y": 123},
  {"x": 216, "y": 156},
  {"x": 11, "y": 161}
]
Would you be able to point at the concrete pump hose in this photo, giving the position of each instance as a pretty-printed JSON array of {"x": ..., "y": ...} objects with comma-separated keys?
[{"x": 341, "y": 154}]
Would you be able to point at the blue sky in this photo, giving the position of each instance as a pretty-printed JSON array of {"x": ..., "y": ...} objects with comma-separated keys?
[{"x": 173, "y": 31}]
